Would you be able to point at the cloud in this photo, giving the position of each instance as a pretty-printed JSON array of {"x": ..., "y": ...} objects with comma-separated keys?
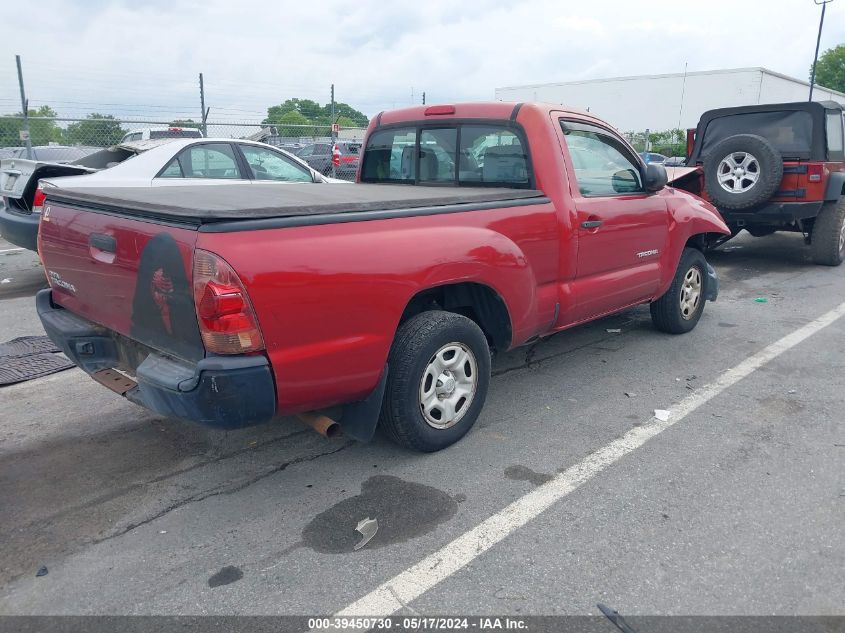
[{"x": 143, "y": 60}]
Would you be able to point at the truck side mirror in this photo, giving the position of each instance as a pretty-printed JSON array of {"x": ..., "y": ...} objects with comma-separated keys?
[{"x": 655, "y": 177}]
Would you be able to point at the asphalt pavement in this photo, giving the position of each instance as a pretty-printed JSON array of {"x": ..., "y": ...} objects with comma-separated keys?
[{"x": 567, "y": 493}]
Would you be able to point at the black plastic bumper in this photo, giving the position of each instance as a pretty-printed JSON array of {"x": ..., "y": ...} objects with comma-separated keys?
[
  {"x": 775, "y": 213},
  {"x": 21, "y": 229},
  {"x": 219, "y": 391}
]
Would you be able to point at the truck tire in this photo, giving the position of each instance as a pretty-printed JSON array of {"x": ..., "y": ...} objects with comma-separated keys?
[
  {"x": 827, "y": 241},
  {"x": 679, "y": 309},
  {"x": 439, "y": 375},
  {"x": 742, "y": 171}
]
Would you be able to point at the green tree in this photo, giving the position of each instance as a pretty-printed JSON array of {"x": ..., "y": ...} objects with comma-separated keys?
[
  {"x": 185, "y": 123},
  {"x": 306, "y": 107},
  {"x": 359, "y": 119},
  {"x": 291, "y": 124},
  {"x": 101, "y": 130},
  {"x": 314, "y": 113},
  {"x": 42, "y": 127},
  {"x": 830, "y": 69}
]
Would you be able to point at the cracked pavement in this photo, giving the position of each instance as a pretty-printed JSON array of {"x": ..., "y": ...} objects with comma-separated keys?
[{"x": 736, "y": 510}]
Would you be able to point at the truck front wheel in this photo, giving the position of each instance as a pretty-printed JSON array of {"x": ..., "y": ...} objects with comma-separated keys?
[
  {"x": 828, "y": 238},
  {"x": 679, "y": 309},
  {"x": 438, "y": 380}
]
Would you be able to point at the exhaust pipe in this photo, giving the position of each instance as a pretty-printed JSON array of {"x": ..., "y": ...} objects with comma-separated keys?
[{"x": 324, "y": 425}]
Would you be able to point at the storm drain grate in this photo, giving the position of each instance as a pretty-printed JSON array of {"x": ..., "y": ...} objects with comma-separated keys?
[{"x": 29, "y": 357}]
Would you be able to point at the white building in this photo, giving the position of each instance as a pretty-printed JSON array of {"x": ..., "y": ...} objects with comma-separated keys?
[{"x": 634, "y": 104}]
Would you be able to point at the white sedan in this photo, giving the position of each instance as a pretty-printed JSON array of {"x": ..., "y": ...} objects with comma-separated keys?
[{"x": 199, "y": 161}]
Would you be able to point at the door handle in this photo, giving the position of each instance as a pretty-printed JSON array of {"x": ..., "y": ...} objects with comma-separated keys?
[
  {"x": 105, "y": 243},
  {"x": 592, "y": 224}
]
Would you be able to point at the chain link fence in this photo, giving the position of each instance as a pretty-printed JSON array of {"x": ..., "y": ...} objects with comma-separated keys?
[
  {"x": 79, "y": 136},
  {"x": 666, "y": 142}
]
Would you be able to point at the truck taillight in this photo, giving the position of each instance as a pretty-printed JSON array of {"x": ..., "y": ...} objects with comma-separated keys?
[
  {"x": 814, "y": 172},
  {"x": 38, "y": 199},
  {"x": 226, "y": 318}
]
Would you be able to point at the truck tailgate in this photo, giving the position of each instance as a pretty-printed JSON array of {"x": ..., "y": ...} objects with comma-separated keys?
[{"x": 128, "y": 275}]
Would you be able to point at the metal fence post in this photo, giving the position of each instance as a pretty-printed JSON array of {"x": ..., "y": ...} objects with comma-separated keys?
[
  {"x": 334, "y": 137},
  {"x": 25, "y": 109},
  {"x": 203, "y": 111}
]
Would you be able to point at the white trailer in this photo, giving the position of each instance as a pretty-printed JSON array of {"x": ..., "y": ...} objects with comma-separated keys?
[{"x": 634, "y": 104}]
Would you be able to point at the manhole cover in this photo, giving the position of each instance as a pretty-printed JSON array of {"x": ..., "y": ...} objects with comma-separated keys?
[
  {"x": 27, "y": 345},
  {"x": 20, "y": 368}
]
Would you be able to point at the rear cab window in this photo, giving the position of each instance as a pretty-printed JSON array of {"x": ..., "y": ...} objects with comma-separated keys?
[{"x": 458, "y": 154}]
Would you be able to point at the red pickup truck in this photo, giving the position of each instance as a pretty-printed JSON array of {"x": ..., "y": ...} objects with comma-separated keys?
[{"x": 385, "y": 299}]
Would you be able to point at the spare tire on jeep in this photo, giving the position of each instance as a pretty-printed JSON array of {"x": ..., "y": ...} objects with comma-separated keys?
[{"x": 742, "y": 171}]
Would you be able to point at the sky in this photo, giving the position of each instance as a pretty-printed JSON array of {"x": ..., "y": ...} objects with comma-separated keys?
[{"x": 142, "y": 59}]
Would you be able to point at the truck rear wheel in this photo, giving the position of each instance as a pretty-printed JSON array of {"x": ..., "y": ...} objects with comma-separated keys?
[
  {"x": 438, "y": 380},
  {"x": 828, "y": 238},
  {"x": 679, "y": 309}
]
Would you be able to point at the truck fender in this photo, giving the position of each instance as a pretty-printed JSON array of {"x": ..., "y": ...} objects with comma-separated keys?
[
  {"x": 691, "y": 216},
  {"x": 497, "y": 262},
  {"x": 835, "y": 186}
]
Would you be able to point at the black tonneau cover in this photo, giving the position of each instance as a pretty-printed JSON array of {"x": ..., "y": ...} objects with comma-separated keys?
[{"x": 225, "y": 203}]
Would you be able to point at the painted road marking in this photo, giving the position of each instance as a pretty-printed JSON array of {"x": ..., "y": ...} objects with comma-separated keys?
[
  {"x": 400, "y": 590},
  {"x": 11, "y": 250}
]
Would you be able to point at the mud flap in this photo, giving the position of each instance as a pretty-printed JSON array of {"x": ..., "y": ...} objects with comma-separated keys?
[
  {"x": 711, "y": 288},
  {"x": 359, "y": 419}
]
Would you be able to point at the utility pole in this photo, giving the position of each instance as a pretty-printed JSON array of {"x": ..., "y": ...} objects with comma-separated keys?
[
  {"x": 25, "y": 109},
  {"x": 203, "y": 110},
  {"x": 423, "y": 97},
  {"x": 334, "y": 137},
  {"x": 818, "y": 41}
]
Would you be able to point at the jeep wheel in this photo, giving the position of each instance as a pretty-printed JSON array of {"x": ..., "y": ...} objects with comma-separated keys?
[
  {"x": 742, "y": 171},
  {"x": 438, "y": 379},
  {"x": 827, "y": 241},
  {"x": 679, "y": 310}
]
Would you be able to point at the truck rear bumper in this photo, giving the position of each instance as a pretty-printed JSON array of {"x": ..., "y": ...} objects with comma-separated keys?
[
  {"x": 774, "y": 213},
  {"x": 21, "y": 229},
  {"x": 219, "y": 391}
]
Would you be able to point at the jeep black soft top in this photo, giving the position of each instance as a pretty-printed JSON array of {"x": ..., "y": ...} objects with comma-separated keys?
[{"x": 805, "y": 120}]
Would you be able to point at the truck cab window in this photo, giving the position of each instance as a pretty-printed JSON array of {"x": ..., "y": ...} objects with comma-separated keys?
[
  {"x": 437, "y": 155},
  {"x": 460, "y": 154},
  {"x": 602, "y": 164}
]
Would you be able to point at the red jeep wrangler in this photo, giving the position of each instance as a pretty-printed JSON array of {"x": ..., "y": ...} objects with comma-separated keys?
[{"x": 775, "y": 167}]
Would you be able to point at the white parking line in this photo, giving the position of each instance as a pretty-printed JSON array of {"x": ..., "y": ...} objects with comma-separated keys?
[
  {"x": 11, "y": 250},
  {"x": 400, "y": 590}
]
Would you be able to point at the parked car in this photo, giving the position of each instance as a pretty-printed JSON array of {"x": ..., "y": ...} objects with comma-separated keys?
[
  {"x": 775, "y": 167},
  {"x": 155, "y": 133},
  {"x": 231, "y": 305},
  {"x": 154, "y": 163},
  {"x": 59, "y": 154},
  {"x": 652, "y": 157},
  {"x": 675, "y": 161},
  {"x": 319, "y": 157}
]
